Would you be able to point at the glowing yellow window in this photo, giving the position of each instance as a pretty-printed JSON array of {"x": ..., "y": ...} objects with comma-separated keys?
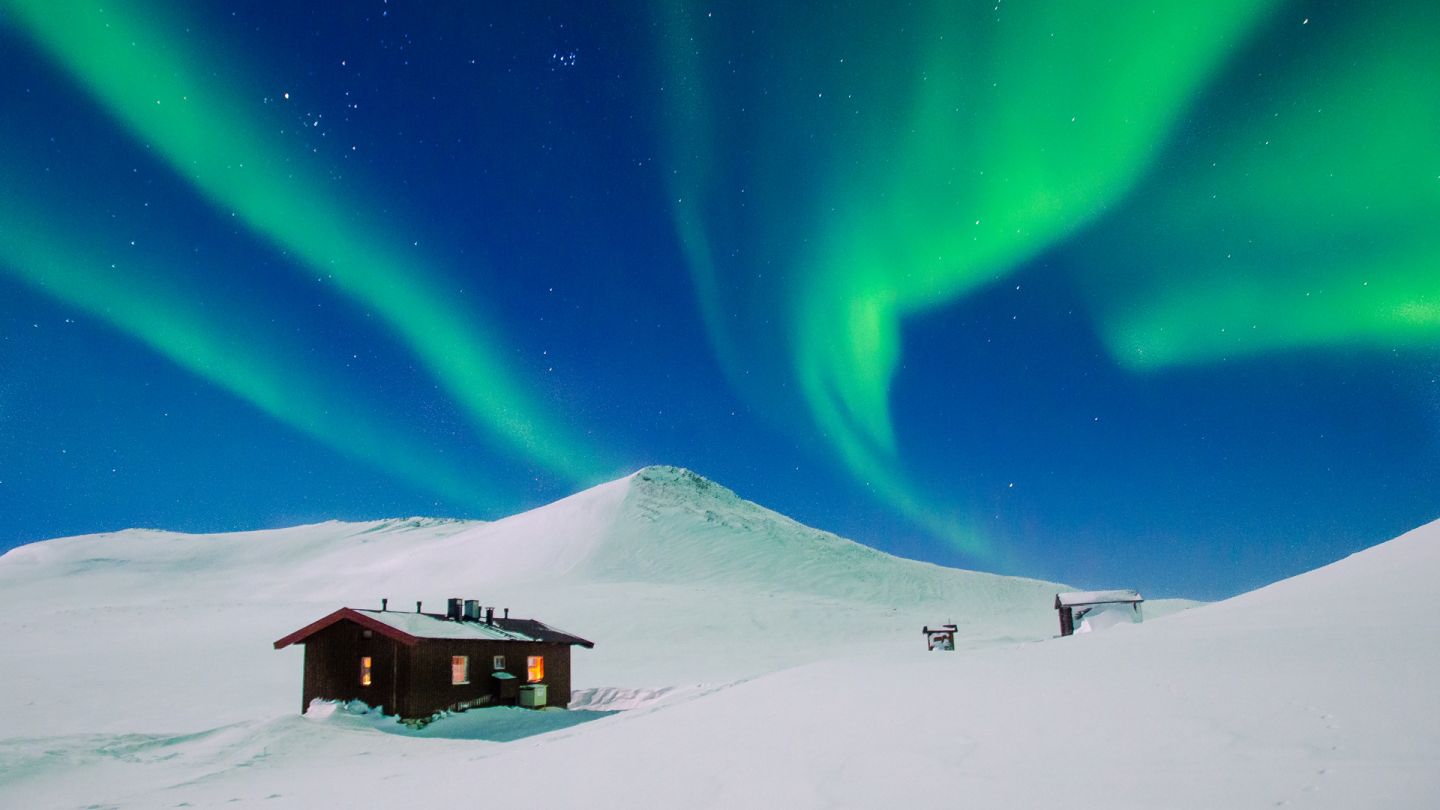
[
  {"x": 535, "y": 669},
  {"x": 365, "y": 670},
  {"x": 459, "y": 669}
]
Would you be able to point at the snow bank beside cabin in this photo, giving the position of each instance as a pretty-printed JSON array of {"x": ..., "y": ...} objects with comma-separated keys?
[{"x": 492, "y": 724}]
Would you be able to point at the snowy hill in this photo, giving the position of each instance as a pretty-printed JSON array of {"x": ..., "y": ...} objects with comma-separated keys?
[
  {"x": 732, "y": 589},
  {"x": 762, "y": 663}
]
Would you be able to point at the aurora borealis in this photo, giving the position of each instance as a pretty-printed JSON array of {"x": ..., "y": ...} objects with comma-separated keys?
[
  {"x": 123, "y": 61},
  {"x": 1077, "y": 290}
]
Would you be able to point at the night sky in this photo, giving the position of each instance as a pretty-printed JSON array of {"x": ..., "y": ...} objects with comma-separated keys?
[{"x": 1120, "y": 294}]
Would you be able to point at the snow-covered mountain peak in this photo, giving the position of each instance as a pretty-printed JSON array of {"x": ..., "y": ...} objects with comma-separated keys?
[
  {"x": 675, "y": 495},
  {"x": 661, "y": 525},
  {"x": 679, "y": 483}
]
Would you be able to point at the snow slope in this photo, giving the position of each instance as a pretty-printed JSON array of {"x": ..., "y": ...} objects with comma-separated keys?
[
  {"x": 760, "y": 675},
  {"x": 731, "y": 590}
]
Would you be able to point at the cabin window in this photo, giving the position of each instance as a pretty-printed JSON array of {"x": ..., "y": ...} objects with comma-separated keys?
[
  {"x": 499, "y": 662},
  {"x": 535, "y": 669},
  {"x": 365, "y": 670},
  {"x": 459, "y": 669}
]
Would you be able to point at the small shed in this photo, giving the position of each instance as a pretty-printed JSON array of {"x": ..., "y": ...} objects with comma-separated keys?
[
  {"x": 1076, "y": 606},
  {"x": 416, "y": 664}
]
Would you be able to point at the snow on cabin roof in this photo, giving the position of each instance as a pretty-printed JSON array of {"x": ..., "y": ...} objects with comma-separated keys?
[
  {"x": 425, "y": 625},
  {"x": 540, "y": 631},
  {"x": 410, "y": 628},
  {"x": 1096, "y": 598}
]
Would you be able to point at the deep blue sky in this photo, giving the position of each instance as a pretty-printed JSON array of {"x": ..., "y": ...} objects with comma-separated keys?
[{"x": 529, "y": 154}]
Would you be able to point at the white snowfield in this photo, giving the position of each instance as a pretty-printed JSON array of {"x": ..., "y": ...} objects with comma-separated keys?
[{"x": 742, "y": 661}]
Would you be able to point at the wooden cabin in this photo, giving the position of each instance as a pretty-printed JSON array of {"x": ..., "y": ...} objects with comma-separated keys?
[
  {"x": 416, "y": 664},
  {"x": 1076, "y": 606}
]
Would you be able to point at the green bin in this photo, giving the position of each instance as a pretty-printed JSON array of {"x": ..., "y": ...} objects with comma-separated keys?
[{"x": 532, "y": 695}]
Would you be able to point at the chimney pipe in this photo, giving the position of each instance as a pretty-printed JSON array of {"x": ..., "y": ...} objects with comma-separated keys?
[
  {"x": 417, "y": 606},
  {"x": 490, "y": 615},
  {"x": 384, "y": 603},
  {"x": 507, "y": 613}
]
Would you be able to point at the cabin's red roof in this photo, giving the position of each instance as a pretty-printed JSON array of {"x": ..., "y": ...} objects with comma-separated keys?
[
  {"x": 352, "y": 615},
  {"x": 410, "y": 628}
]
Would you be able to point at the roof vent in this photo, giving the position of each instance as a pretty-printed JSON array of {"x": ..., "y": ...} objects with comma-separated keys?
[
  {"x": 472, "y": 610},
  {"x": 452, "y": 608},
  {"x": 384, "y": 603}
]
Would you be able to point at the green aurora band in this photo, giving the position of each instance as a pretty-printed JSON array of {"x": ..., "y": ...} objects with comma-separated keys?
[
  {"x": 148, "y": 74},
  {"x": 1314, "y": 221},
  {"x": 975, "y": 182},
  {"x": 234, "y": 350},
  {"x": 975, "y": 138}
]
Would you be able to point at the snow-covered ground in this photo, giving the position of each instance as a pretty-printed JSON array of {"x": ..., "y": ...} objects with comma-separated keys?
[{"x": 742, "y": 660}]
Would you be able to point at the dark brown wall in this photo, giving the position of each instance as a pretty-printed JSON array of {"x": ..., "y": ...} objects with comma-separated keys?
[
  {"x": 1067, "y": 621},
  {"x": 415, "y": 681},
  {"x": 332, "y": 668},
  {"x": 432, "y": 691}
]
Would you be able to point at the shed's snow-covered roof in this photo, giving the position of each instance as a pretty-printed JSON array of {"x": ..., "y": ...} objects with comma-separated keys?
[{"x": 1096, "y": 598}]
